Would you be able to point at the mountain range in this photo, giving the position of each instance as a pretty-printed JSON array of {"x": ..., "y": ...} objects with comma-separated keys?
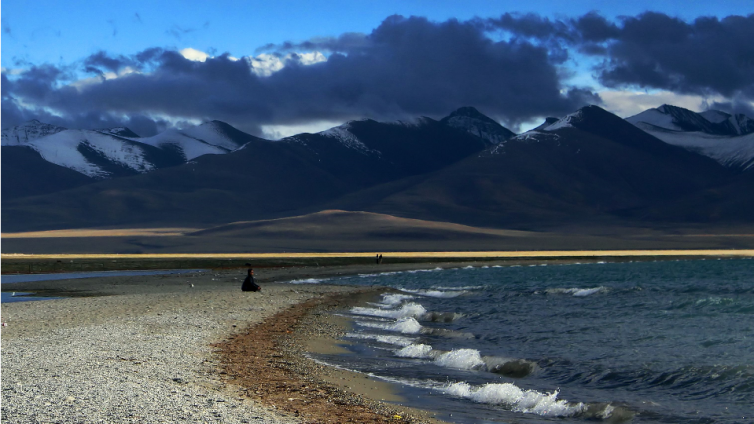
[{"x": 665, "y": 166}]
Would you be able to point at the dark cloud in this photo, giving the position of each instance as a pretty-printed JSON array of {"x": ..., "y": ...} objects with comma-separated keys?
[
  {"x": 349, "y": 42},
  {"x": 102, "y": 60},
  {"x": 735, "y": 106},
  {"x": 405, "y": 67},
  {"x": 652, "y": 50},
  {"x": 533, "y": 26},
  {"x": 704, "y": 57}
]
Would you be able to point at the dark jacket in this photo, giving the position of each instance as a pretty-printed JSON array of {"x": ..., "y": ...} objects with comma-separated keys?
[{"x": 249, "y": 284}]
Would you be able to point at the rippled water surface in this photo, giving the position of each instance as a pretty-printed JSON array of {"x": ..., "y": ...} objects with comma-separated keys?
[{"x": 659, "y": 342}]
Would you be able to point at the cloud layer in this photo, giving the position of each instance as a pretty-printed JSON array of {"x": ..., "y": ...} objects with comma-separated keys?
[{"x": 514, "y": 68}]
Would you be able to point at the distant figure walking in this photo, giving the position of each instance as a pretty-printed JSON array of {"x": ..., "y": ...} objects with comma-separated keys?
[
  {"x": 377, "y": 259},
  {"x": 249, "y": 284}
]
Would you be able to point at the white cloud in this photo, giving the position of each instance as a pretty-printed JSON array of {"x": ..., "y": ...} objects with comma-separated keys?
[
  {"x": 629, "y": 103},
  {"x": 84, "y": 82},
  {"x": 193, "y": 54},
  {"x": 276, "y": 132},
  {"x": 13, "y": 71},
  {"x": 265, "y": 64}
]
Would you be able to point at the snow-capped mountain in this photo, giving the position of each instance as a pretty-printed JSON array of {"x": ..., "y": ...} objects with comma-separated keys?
[
  {"x": 108, "y": 153},
  {"x": 210, "y": 138},
  {"x": 28, "y": 131},
  {"x": 676, "y": 118},
  {"x": 470, "y": 120},
  {"x": 90, "y": 152},
  {"x": 726, "y": 138},
  {"x": 344, "y": 135},
  {"x": 119, "y": 131}
]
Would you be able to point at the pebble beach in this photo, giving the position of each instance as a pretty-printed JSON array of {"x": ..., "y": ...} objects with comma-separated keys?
[{"x": 145, "y": 349}]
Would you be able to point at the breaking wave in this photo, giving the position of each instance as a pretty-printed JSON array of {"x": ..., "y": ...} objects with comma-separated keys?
[
  {"x": 578, "y": 292},
  {"x": 308, "y": 281},
  {"x": 436, "y": 293},
  {"x": 469, "y": 359},
  {"x": 382, "y": 338},
  {"x": 516, "y": 399}
]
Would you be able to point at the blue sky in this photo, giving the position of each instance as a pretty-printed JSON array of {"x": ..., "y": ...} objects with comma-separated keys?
[
  {"x": 51, "y": 31},
  {"x": 63, "y": 35}
]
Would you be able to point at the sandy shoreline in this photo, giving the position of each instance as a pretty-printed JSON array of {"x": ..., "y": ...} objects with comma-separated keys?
[
  {"x": 145, "y": 349},
  {"x": 160, "y": 349}
]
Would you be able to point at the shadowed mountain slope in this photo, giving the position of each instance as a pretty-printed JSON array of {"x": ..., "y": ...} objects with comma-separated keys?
[
  {"x": 587, "y": 166},
  {"x": 262, "y": 179},
  {"x": 25, "y": 174}
]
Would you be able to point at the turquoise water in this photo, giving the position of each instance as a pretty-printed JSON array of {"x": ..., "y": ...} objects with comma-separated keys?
[{"x": 644, "y": 342}]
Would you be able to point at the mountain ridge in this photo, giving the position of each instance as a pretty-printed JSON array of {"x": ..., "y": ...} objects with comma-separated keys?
[{"x": 587, "y": 167}]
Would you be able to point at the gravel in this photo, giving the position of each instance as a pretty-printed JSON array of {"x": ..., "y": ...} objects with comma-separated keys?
[{"x": 136, "y": 358}]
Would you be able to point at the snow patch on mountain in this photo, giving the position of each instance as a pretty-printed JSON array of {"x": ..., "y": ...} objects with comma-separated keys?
[
  {"x": 412, "y": 123},
  {"x": 193, "y": 142},
  {"x": 470, "y": 120},
  {"x": 714, "y": 116},
  {"x": 348, "y": 139},
  {"x": 28, "y": 131},
  {"x": 654, "y": 118},
  {"x": 679, "y": 119},
  {"x": 532, "y": 136},
  {"x": 483, "y": 130},
  {"x": 118, "y": 131},
  {"x": 733, "y": 152},
  {"x": 565, "y": 122},
  {"x": 64, "y": 149}
]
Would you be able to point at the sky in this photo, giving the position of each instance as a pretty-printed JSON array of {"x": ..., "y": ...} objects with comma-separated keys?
[{"x": 278, "y": 68}]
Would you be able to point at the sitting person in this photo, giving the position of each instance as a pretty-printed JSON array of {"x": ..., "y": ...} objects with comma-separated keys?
[{"x": 249, "y": 284}]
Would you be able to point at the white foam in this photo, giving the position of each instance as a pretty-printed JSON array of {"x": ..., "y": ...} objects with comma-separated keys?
[
  {"x": 410, "y": 309},
  {"x": 463, "y": 359},
  {"x": 308, "y": 281},
  {"x": 435, "y": 293},
  {"x": 579, "y": 292},
  {"x": 414, "y": 271},
  {"x": 394, "y": 299},
  {"x": 382, "y": 338},
  {"x": 404, "y": 325},
  {"x": 419, "y": 351},
  {"x": 587, "y": 292},
  {"x": 458, "y": 288},
  {"x": 516, "y": 399}
]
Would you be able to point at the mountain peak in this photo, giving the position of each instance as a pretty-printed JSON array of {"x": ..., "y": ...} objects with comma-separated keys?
[
  {"x": 470, "y": 120},
  {"x": 119, "y": 131},
  {"x": 470, "y": 112},
  {"x": 548, "y": 121},
  {"x": 28, "y": 131},
  {"x": 674, "y": 118}
]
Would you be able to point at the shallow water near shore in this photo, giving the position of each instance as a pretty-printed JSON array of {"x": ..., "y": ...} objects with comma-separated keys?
[
  {"x": 643, "y": 342},
  {"x": 6, "y": 297}
]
